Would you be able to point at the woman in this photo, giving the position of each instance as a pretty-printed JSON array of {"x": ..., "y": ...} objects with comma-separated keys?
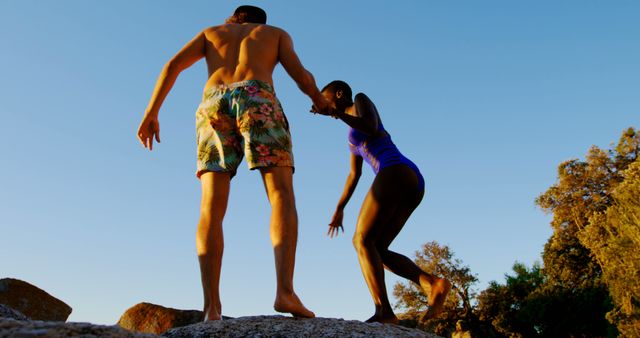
[{"x": 395, "y": 193}]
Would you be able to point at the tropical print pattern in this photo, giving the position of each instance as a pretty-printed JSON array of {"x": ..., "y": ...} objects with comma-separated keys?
[{"x": 243, "y": 118}]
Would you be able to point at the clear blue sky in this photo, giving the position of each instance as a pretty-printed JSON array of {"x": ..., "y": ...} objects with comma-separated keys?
[{"x": 486, "y": 97}]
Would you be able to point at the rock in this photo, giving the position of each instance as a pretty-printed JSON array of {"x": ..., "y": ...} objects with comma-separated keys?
[
  {"x": 279, "y": 326},
  {"x": 151, "y": 318},
  {"x": 32, "y": 301},
  {"x": 7, "y": 312},
  {"x": 14, "y": 328}
]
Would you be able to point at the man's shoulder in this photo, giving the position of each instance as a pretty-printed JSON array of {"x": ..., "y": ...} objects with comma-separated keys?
[
  {"x": 230, "y": 25},
  {"x": 276, "y": 28},
  {"x": 272, "y": 29},
  {"x": 212, "y": 28}
]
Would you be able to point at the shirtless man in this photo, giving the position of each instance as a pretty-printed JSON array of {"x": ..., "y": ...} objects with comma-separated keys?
[{"x": 240, "y": 115}]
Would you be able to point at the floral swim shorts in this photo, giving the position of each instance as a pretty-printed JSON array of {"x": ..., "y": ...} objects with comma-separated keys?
[{"x": 242, "y": 118}]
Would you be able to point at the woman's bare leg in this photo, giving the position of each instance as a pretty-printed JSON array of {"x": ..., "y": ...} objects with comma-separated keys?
[
  {"x": 434, "y": 287},
  {"x": 377, "y": 210}
]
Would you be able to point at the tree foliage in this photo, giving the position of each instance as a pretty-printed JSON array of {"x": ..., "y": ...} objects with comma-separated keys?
[
  {"x": 583, "y": 189},
  {"x": 613, "y": 236},
  {"x": 579, "y": 202},
  {"x": 439, "y": 260},
  {"x": 507, "y": 306}
]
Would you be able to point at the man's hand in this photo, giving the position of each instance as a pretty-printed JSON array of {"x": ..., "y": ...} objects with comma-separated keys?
[
  {"x": 336, "y": 224},
  {"x": 325, "y": 112},
  {"x": 322, "y": 106},
  {"x": 148, "y": 130}
]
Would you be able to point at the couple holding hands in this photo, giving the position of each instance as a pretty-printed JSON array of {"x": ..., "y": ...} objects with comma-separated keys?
[{"x": 240, "y": 116}]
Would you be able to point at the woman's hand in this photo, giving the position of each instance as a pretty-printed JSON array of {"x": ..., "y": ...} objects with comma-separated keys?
[
  {"x": 328, "y": 111},
  {"x": 336, "y": 224}
]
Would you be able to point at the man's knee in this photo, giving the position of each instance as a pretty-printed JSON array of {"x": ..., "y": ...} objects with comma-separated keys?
[
  {"x": 209, "y": 247},
  {"x": 278, "y": 183},
  {"x": 211, "y": 212},
  {"x": 282, "y": 198}
]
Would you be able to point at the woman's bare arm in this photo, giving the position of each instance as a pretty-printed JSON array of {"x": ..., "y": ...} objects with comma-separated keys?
[
  {"x": 366, "y": 118},
  {"x": 349, "y": 188},
  {"x": 352, "y": 181}
]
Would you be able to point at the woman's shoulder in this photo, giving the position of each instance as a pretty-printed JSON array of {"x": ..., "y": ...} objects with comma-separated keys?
[
  {"x": 366, "y": 108},
  {"x": 361, "y": 97}
]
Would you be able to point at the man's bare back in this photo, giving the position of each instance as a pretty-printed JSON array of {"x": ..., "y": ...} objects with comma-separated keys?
[{"x": 240, "y": 52}]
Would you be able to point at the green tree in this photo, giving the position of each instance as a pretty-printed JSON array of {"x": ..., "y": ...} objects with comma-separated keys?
[
  {"x": 507, "y": 307},
  {"x": 439, "y": 260}
]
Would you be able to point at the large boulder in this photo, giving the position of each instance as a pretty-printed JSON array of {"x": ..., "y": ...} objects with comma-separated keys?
[
  {"x": 7, "y": 312},
  {"x": 283, "y": 327},
  {"x": 15, "y": 328},
  {"x": 33, "y": 302},
  {"x": 151, "y": 318}
]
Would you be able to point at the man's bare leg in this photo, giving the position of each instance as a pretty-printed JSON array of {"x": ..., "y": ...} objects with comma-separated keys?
[
  {"x": 278, "y": 182},
  {"x": 209, "y": 239}
]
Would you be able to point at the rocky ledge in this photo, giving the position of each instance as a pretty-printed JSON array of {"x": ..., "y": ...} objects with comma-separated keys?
[
  {"x": 27, "y": 311},
  {"x": 257, "y": 327},
  {"x": 280, "y": 326},
  {"x": 36, "y": 328}
]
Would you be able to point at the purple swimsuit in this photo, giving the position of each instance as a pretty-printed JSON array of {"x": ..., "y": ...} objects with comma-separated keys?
[{"x": 380, "y": 152}]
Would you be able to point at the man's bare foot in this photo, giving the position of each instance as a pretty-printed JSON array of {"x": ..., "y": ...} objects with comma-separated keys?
[
  {"x": 437, "y": 290},
  {"x": 384, "y": 319},
  {"x": 291, "y": 304}
]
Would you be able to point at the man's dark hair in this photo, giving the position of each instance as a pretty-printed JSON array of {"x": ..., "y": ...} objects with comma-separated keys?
[
  {"x": 334, "y": 86},
  {"x": 250, "y": 14}
]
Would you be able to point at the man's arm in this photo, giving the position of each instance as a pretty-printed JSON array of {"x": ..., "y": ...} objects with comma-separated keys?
[
  {"x": 303, "y": 78},
  {"x": 193, "y": 51}
]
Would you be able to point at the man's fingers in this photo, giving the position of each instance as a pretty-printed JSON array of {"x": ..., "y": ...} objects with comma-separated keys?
[
  {"x": 151, "y": 143},
  {"x": 158, "y": 135}
]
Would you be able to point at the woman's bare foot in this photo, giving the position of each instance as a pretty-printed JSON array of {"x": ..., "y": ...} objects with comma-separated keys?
[
  {"x": 384, "y": 319},
  {"x": 291, "y": 304},
  {"x": 210, "y": 315},
  {"x": 437, "y": 290}
]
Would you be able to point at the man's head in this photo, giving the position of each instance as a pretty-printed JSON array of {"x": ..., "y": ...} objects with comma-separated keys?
[
  {"x": 338, "y": 93},
  {"x": 248, "y": 14}
]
